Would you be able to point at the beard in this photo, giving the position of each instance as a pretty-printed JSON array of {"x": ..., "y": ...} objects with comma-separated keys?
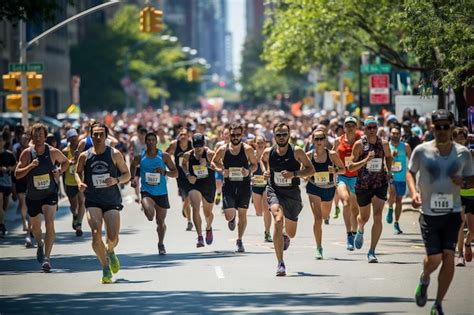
[
  {"x": 235, "y": 141},
  {"x": 281, "y": 145}
]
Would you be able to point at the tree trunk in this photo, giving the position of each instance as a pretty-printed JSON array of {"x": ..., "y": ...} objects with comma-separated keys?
[
  {"x": 441, "y": 98},
  {"x": 461, "y": 104}
]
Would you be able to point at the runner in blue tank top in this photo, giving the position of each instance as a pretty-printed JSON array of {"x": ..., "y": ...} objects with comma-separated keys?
[{"x": 153, "y": 165}]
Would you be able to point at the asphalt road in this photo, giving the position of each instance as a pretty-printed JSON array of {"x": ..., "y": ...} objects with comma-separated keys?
[{"x": 215, "y": 278}]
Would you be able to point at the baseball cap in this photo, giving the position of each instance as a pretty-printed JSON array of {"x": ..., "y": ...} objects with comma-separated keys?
[
  {"x": 350, "y": 119},
  {"x": 442, "y": 114},
  {"x": 198, "y": 140},
  {"x": 71, "y": 133},
  {"x": 370, "y": 120}
]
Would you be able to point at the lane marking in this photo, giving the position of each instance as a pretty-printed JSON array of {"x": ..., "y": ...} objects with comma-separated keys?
[{"x": 219, "y": 272}]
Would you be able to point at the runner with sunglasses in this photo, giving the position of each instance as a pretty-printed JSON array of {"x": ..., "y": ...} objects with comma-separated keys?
[
  {"x": 321, "y": 187},
  {"x": 372, "y": 158},
  {"x": 442, "y": 168},
  {"x": 284, "y": 164}
]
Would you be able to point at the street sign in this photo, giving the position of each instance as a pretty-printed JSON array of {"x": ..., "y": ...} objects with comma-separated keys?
[
  {"x": 36, "y": 67},
  {"x": 23, "y": 67},
  {"x": 376, "y": 68},
  {"x": 379, "y": 89}
]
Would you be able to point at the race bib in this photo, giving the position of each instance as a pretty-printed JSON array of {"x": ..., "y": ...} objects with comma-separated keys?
[
  {"x": 235, "y": 173},
  {"x": 259, "y": 181},
  {"x": 347, "y": 159},
  {"x": 72, "y": 169},
  {"x": 200, "y": 171},
  {"x": 41, "y": 181},
  {"x": 374, "y": 165},
  {"x": 152, "y": 178},
  {"x": 98, "y": 180},
  {"x": 397, "y": 167},
  {"x": 321, "y": 178},
  {"x": 180, "y": 161},
  {"x": 442, "y": 202},
  {"x": 280, "y": 180}
]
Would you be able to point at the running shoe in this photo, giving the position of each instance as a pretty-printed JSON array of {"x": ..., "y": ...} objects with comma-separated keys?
[
  {"x": 326, "y": 221},
  {"x": 218, "y": 199},
  {"x": 396, "y": 228},
  {"x": 28, "y": 242},
  {"x": 389, "y": 216},
  {"x": 281, "y": 269},
  {"x": 161, "y": 249},
  {"x": 113, "y": 262},
  {"x": 350, "y": 241},
  {"x": 3, "y": 230},
  {"x": 461, "y": 261},
  {"x": 359, "y": 240},
  {"x": 436, "y": 309},
  {"x": 240, "y": 246},
  {"x": 79, "y": 229},
  {"x": 209, "y": 236},
  {"x": 319, "y": 253},
  {"x": 421, "y": 292},
  {"x": 231, "y": 224},
  {"x": 468, "y": 252},
  {"x": 337, "y": 211},
  {"x": 372, "y": 258},
  {"x": 268, "y": 237},
  {"x": 200, "y": 242},
  {"x": 189, "y": 227},
  {"x": 286, "y": 242},
  {"x": 46, "y": 266},
  {"x": 40, "y": 253},
  {"x": 106, "y": 275}
]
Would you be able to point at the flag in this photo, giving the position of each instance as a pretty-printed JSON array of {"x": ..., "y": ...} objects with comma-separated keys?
[{"x": 73, "y": 109}]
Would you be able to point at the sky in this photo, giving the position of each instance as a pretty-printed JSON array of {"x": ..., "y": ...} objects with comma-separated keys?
[{"x": 237, "y": 25}]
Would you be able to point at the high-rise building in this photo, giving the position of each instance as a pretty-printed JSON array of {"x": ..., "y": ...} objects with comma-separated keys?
[{"x": 255, "y": 12}]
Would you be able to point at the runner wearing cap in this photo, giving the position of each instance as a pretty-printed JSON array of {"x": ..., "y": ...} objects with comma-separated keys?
[
  {"x": 346, "y": 182},
  {"x": 372, "y": 158},
  {"x": 442, "y": 168},
  {"x": 76, "y": 198},
  {"x": 7, "y": 165},
  {"x": 202, "y": 186}
]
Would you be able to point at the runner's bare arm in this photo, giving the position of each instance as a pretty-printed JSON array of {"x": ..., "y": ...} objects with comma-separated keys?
[
  {"x": 251, "y": 157},
  {"x": 134, "y": 164},
  {"x": 172, "y": 147},
  {"x": 408, "y": 151},
  {"x": 336, "y": 144},
  {"x": 25, "y": 165},
  {"x": 307, "y": 167},
  {"x": 356, "y": 152},
  {"x": 173, "y": 171},
  {"x": 341, "y": 169},
  {"x": 264, "y": 164},
  {"x": 216, "y": 162},
  {"x": 59, "y": 157},
  {"x": 81, "y": 161},
  {"x": 122, "y": 166}
]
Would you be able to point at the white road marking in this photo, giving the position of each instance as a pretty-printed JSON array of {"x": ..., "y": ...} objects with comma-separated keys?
[{"x": 219, "y": 272}]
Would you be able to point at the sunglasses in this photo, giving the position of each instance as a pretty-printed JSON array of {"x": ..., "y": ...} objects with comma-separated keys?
[
  {"x": 442, "y": 127},
  {"x": 371, "y": 127},
  {"x": 235, "y": 135},
  {"x": 319, "y": 138},
  {"x": 281, "y": 135}
]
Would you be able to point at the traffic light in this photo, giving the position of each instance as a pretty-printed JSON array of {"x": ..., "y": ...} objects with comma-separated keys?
[
  {"x": 35, "y": 102},
  {"x": 151, "y": 20},
  {"x": 34, "y": 81},
  {"x": 11, "y": 81},
  {"x": 193, "y": 74}
]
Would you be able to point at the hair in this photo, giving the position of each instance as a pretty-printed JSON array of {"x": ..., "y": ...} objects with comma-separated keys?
[
  {"x": 150, "y": 134},
  {"x": 142, "y": 130},
  {"x": 235, "y": 125},
  {"x": 39, "y": 126},
  {"x": 281, "y": 125},
  {"x": 460, "y": 130},
  {"x": 99, "y": 124}
]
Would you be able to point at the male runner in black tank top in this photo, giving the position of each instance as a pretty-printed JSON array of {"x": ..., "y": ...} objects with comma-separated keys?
[
  {"x": 284, "y": 165},
  {"x": 97, "y": 176},
  {"x": 38, "y": 165},
  {"x": 237, "y": 161}
]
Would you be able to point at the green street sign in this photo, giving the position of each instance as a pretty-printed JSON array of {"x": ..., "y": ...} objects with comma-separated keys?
[
  {"x": 376, "y": 68},
  {"x": 36, "y": 67},
  {"x": 17, "y": 67}
]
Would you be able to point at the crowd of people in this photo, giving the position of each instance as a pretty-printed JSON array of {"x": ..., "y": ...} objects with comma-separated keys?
[{"x": 242, "y": 157}]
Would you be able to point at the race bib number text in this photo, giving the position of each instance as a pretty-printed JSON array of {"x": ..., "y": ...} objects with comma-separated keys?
[
  {"x": 200, "y": 171},
  {"x": 259, "y": 181},
  {"x": 41, "y": 181},
  {"x": 152, "y": 178},
  {"x": 374, "y": 165},
  {"x": 235, "y": 173},
  {"x": 441, "y": 202},
  {"x": 98, "y": 180},
  {"x": 321, "y": 178},
  {"x": 281, "y": 181}
]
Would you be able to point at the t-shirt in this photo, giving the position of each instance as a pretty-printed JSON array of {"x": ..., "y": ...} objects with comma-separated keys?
[{"x": 439, "y": 195}]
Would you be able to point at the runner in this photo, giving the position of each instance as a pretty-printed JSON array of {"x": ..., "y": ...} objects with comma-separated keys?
[
  {"x": 136, "y": 146},
  {"x": 219, "y": 176},
  {"x": 37, "y": 164},
  {"x": 7, "y": 165},
  {"x": 441, "y": 168},
  {"x": 153, "y": 163},
  {"x": 177, "y": 149},
  {"x": 97, "y": 176},
  {"x": 237, "y": 161},
  {"x": 321, "y": 188},
  {"x": 202, "y": 186},
  {"x": 370, "y": 156},
  {"x": 284, "y": 164},
  {"x": 346, "y": 182},
  {"x": 400, "y": 152},
  {"x": 76, "y": 198}
]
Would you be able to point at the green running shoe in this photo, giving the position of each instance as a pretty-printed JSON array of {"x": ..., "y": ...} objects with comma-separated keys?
[
  {"x": 421, "y": 292},
  {"x": 106, "y": 275},
  {"x": 337, "y": 211},
  {"x": 113, "y": 262},
  {"x": 268, "y": 237},
  {"x": 319, "y": 253}
]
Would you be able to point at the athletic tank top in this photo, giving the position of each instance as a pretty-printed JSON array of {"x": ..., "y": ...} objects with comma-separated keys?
[
  {"x": 88, "y": 143},
  {"x": 99, "y": 167},
  {"x": 399, "y": 164},
  {"x": 178, "y": 159},
  {"x": 152, "y": 182},
  {"x": 373, "y": 174},
  {"x": 41, "y": 182},
  {"x": 234, "y": 162},
  {"x": 202, "y": 170},
  {"x": 69, "y": 178},
  {"x": 344, "y": 150},
  {"x": 322, "y": 178},
  {"x": 280, "y": 163}
]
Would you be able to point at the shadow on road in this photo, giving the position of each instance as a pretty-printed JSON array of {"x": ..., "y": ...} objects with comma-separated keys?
[{"x": 186, "y": 302}]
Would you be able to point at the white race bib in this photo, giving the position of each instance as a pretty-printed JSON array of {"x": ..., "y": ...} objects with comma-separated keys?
[
  {"x": 98, "y": 180},
  {"x": 397, "y": 167},
  {"x": 200, "y": 171},
  {"x": 152, "y": 178},
  {"x": 235, "y": 174},
  {"x": 321, "y": 178},
  {"x": 374, "y": 165},
  {"x": 280, "y": 180},
  {"x": 259, "y": 181},
  {"x": 41, "y": 181},
  {"x": 442, "y": 202},
  {"x": 347, "y": 160}
]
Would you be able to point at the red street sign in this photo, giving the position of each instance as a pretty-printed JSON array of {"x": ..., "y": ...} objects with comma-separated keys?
[{"x": 379, "y": 89}]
